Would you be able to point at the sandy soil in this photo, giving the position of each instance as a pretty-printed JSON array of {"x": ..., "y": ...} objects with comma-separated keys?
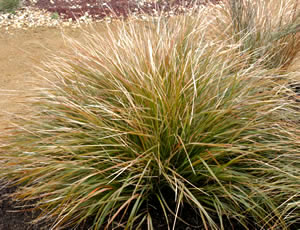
[{"x": 20, "y": 54}]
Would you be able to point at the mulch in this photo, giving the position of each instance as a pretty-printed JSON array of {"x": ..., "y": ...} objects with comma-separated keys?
[
  {"x": 14, "y": 218},
  {"x": 100, "y": 9}
]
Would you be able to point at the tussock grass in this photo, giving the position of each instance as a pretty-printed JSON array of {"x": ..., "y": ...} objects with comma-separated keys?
[
  {"x": 269, "y": 30},
  {"x": 155, "y": 117}
]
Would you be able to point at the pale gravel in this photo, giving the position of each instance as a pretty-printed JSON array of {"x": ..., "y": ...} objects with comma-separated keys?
[
  {"x": 28, "y": 17},
  {"x": 31, "y": 17}
]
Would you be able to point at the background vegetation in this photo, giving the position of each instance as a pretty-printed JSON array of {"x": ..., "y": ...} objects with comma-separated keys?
[
  {"x": 9, "y": 5},
  {"x": 269, "y": 30}
]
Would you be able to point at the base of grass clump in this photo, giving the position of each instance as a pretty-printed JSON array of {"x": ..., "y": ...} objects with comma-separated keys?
[{"x": 156, "y": 118}]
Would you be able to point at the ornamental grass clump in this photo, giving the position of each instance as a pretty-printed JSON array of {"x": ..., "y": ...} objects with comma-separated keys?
[
  {"x": 155, "y": 118},
  {"x": 268, "y": 29}
]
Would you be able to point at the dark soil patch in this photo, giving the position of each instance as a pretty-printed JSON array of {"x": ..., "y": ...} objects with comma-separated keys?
[
  {"x": 100, "y": 9},
  {"x": 14, "y": 218}
]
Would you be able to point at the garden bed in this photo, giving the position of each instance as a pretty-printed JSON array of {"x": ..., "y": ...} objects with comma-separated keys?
[{"x": 12, "y": 217}]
